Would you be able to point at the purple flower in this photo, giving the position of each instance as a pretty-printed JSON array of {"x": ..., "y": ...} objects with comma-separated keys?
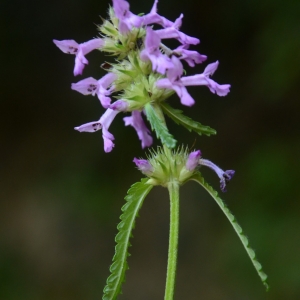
[
  {"x": 144, "y": 166},
  {"x": 191, "y": 57},
  {"x": 173, "y": 82},
  {"x": 79, "y": 50},
  {"x": 224, "y": 176},
  {"x": 119, "y": 105},
  {"x": 154, "y": 18},
  {"x": 193, "y": 160},
  {"x": 173, "y": 32},
  {"x": 203, "y": 79},
  {"x": 136, "y": 121},
  {"x": 91, "y": 86},
  {"x": 127, "y": 19},
  {"x": 178, "y": 84},
  {"x": 160, "y": 62},
  {"x": 104, "y": 123}
]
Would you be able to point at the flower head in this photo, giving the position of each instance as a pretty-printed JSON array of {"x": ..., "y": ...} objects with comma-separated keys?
[{"x": 79, "y": 50}]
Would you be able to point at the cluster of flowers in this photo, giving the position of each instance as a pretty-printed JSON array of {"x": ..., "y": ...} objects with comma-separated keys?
[
  {"x": 146, "y": 71},
  {"x": 183, "y": 166},
  {"x": 167, "y": 64}
]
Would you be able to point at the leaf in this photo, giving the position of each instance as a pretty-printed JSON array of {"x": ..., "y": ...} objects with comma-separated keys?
[
  {"x": 198, "y": 178},
  {"x": 179, "y": 118},
  {"x": 134, "y": 200},
  {"x": 159, "y": 127}
]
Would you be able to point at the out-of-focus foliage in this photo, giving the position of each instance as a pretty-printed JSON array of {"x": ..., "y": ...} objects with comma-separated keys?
[{"x": 61, "y": 195}]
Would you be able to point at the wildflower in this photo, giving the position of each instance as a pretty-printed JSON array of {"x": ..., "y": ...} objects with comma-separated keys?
[
  {"x": 173, "y": 32},
  {"x": 225, "y": 176},
  {"x": 91, "y": 86},
  {"x": 79, "y": 50},
  {"x": 136, "y": 121},
  {"x": 177, "y": 83},
  {"x": 160, "y": 62},
  {"x": 127, "y": 19},
  {"x": 104, "y": 123},
  {"x": 173, "y": 82},
  {"x": 154, "y": 17},
  {"x": 191, "y": 57}
]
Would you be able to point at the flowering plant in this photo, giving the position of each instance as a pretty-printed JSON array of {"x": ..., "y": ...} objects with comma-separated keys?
[{"x": 143, "y": 76}]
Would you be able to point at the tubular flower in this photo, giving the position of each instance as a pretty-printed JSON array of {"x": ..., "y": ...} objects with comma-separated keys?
[
  {"x": 173, "y": 82},
  {"x": 160, "y": 62},
  {"x": 127, "y": 19},
  {"x": 154, "y": 18},
  {"x": 136, "y": 121},
  {"x": 104, "y": 123},
  {"x": 177, "y": 83},
  {"x": 191, "y": 57},
  {"x": 79, "y": 50},
  {"x": 91, "y": 86},
  {"x": 173, "y": 32},
  {"x": 225, "y": 176}
]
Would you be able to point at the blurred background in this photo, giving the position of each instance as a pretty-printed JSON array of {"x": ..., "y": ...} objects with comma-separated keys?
[{"x": 61, "y": 195}]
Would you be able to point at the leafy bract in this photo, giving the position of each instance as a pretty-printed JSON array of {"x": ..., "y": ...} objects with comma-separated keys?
[
  {"x": 159, "y": 127},
  {"x": 134, "y": 200},
  {"x": 238, "y": 229},
  {"x": 179, "y": 118}
]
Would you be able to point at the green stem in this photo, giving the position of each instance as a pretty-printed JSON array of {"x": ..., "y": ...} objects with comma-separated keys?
[{"x": 173, "y": 188}]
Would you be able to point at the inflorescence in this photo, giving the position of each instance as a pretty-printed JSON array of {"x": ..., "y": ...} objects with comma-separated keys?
[{"x": 145, "y": 73}]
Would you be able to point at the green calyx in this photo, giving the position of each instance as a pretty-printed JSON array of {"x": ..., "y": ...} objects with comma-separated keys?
[{"x": 169, "y": 166}]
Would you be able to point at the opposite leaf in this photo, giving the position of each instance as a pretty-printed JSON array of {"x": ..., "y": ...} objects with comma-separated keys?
[
  {"x": 198, "y": 178},
  {"x": 134, "y": 200},
  {"x": 180, "y": 119},
  {"x": 159, "y": 127}
]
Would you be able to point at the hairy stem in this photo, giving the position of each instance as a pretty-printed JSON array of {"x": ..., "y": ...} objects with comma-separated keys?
[{"x": 173, "y": 188}]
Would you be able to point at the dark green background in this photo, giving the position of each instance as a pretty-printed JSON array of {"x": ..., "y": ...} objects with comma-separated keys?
[{"x": 61, "y": 194}]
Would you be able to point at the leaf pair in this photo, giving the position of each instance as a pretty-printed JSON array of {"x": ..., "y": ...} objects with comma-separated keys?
[
  {"x": 179, "y": 118},
  {"x": 134, "y": 200}
]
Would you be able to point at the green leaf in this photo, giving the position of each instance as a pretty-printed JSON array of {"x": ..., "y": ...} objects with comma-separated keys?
[
  {"x": 134, "y": 200},
  {"x": 180, "y": 119},
  {"x": 198, "y": 178},
  {"x": 159, "y": 127}
]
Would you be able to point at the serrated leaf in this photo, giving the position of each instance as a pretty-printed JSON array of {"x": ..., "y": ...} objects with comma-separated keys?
[
  {"x": 160, "y": 129},
  {"x": 198, "y": 178},
  {"x": 179, "y": 118},
  {"x": 134, "y": 200}
]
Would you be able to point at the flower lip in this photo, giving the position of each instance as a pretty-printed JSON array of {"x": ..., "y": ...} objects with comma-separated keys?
[{"x": 79, "y": 50}]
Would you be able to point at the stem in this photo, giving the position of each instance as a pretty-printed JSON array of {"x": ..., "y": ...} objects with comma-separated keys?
[{"x": 173, "y": 188}]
